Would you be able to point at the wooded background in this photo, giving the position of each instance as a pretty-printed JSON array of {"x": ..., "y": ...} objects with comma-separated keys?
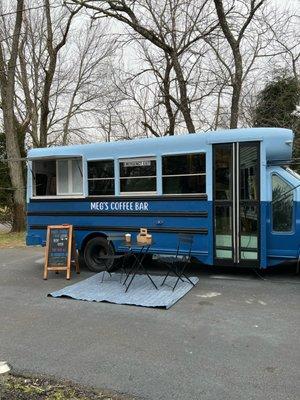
[{"x": 89, "y": 70}]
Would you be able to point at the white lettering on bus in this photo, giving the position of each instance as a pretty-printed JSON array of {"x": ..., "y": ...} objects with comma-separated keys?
[
  {"x": 120, "y": 206},
  {"x": 95, "y": 206},
  {"x": 143, "y": 206}
]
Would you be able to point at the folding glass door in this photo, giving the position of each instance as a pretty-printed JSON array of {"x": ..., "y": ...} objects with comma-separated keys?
[{"x": 236, "y": 203}]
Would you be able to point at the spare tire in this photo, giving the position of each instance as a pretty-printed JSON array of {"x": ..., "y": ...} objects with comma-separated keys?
[{"x": 93, "y": 252}]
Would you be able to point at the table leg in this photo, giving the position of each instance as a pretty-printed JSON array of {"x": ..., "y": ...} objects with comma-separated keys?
[
  {"x": 139, "y": 265},
  {"x": 132, "y": 268}
]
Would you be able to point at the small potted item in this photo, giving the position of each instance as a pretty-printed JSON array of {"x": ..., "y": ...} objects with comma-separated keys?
[
  {"x": 128, "y": 238},
  {"x": 144, "y": 237}
]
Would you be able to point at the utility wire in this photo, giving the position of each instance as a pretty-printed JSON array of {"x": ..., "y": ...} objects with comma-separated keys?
[
  {"x": 271, "y": 280},
  {"x": 3, "y": 39},
  {"x": 19, "y": 188},
  {"x": 13, "y": 159},
  {"x": 29, "y": 9}
]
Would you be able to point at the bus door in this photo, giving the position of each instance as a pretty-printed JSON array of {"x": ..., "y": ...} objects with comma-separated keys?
[{"x": 236, "y": 197}]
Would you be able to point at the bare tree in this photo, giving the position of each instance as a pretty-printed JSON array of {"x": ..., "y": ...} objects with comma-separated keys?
[
  {"x": 234, "y": 32},
  {"x": 53, "y": 49},
  {"x": 12, "y": 126},
  {"x": 79, "y": 81},
  {"x": 169, "y": 26},
  {"x": 86, "y": 86}
]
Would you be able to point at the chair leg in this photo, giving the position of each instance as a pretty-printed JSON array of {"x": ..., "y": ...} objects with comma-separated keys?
[
  {"x": 165, "y": 278},
  {"x": 173, "y": 269},
  {"x": 187, "y": 278},
  {"x": 123, "y": 268},
  {"x": 105, "y": 270},
  {"x": 176, "y": 283},
  {"x": 180, "y": 274}
]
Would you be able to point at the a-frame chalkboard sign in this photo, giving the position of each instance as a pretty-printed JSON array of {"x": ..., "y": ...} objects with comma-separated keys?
[{"x": 60, "y": 250}]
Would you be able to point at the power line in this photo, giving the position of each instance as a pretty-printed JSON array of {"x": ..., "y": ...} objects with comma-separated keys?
[
  {"x": 11, "y": 188},
  {"x": 28, "y": 9},
  {"x": 13, "y": 159},
  {"x": 3, "y": 39}
]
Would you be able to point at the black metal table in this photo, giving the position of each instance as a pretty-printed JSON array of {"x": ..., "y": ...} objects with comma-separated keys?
[{"x": 139, "y": 256}]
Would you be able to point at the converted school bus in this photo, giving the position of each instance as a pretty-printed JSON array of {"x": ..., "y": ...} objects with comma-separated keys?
[{"x": 230, "y": 189}]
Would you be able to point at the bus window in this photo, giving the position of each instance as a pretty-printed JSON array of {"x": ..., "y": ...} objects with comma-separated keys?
[
  {"x": 138, "y": 175},
  {"x": 282, "y": 205},
  {"x": 101, "y": 177},
  {"x": 183, "y": 174},
  {"x": 69, "y": 176},
  {"x": 44, "y": 178}
]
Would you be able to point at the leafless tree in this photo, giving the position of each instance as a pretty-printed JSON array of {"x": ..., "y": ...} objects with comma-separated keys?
[
  {"x": 13, "y": 128},
  {"x": 80, "y": 78},
  {"x": 172, "y": 27},
  {"x": 85, "y": 88},
  {"x": 47, "y": 84},
  {"x": 234, "y": 26}
]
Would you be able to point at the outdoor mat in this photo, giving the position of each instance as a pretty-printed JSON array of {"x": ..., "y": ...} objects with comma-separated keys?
[{"x": 140, "y": 293}]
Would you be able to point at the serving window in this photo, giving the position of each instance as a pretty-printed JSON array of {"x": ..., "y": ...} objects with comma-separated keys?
[
  {"x": 184, "y": 174},
  {"x": 57, "y": 177},
  {"x": 138, "y": 176},
  {"x": 44, "y": 177},
  {"x": 69, "y": 177},
  {"x": 101, "y": 178}
]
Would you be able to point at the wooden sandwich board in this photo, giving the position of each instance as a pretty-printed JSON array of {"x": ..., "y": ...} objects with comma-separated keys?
[{"x": 60, "y": 250}]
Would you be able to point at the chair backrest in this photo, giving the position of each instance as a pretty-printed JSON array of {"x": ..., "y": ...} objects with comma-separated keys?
[
  {"x": 185, "y": 244},
  {"x": 116, "y": 236}
]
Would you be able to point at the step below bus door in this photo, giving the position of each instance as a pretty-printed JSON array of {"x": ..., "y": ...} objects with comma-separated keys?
[{"x": 236, "y": 197}]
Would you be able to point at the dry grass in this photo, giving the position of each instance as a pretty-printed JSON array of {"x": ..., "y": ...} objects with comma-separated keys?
[
  {"x": 42, "y": 387},
  {"x": 10, "y": 240}
]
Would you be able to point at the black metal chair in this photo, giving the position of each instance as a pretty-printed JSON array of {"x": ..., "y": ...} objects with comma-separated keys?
[
  {"x": 113, "y": 261},
  {"x": 177, "y": 263}
]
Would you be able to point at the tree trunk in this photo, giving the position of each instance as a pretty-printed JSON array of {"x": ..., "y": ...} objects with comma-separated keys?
[
  {"x": 184, "y": 102},
  {"x": 45, "y": 105},
  {"x": 14, "y": 164},
  {"x": 234, "y": 110},
  {"x": 236, "y": 92},
  {"x": 167, "y": 102},
  {"x": 7, "y": 87}
]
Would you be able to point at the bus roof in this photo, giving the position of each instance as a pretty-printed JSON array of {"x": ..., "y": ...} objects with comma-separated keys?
[{"x": 277, "y": 143}]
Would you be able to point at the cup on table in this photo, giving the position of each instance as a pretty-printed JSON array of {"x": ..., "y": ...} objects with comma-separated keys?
[{"x": 127, "y": 237}]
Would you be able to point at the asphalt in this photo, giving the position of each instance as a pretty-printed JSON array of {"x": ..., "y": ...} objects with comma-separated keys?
[{"x": 234, "y": 336}]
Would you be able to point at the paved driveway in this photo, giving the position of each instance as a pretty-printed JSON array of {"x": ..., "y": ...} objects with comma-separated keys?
[{"x": 232, "y": 337}]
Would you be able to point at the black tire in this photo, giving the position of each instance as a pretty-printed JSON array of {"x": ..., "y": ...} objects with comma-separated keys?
[{"x": 92, "y": 254}]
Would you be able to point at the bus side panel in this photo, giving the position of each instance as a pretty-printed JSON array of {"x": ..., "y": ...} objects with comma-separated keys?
[
  {"x": 283, "y": 246},
  {"x": 164, "y": 220},
  {"x": 263, "y": 234}
]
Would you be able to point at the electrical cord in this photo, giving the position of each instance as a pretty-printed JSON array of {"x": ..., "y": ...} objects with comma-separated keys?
[{"x": 272, "y": 281}]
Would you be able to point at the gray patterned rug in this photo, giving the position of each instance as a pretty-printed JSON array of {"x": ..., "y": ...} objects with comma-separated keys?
[{"x": 140, "y": 293}]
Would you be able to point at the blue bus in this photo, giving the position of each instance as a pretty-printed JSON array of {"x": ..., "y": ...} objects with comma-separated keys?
[{"x": 232, "y": 190}]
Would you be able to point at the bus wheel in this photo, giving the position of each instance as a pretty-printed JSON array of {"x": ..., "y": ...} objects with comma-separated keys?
[{"x": 94, "y": 250}]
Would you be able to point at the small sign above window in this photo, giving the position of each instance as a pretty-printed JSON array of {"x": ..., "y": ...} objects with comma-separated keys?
[{"x": 137, "y": 163}]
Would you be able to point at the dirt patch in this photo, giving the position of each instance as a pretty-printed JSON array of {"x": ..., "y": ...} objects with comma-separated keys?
[
  {"x": 19, "y": 387},
  {"x": 11, "y": 240}
]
